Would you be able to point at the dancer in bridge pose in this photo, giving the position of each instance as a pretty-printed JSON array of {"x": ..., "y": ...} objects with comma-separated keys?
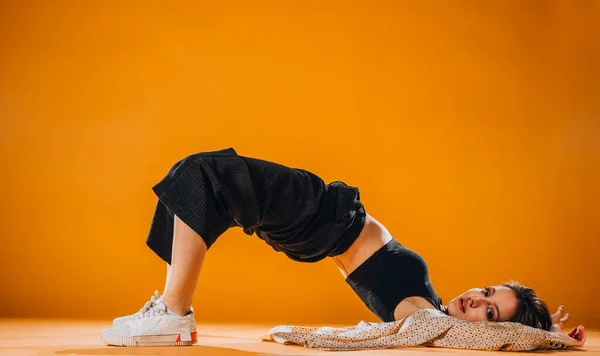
[{"x": 296, "y": 213}]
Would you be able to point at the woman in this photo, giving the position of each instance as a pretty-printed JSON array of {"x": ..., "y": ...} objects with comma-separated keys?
[{"x": 296, "y": 213}]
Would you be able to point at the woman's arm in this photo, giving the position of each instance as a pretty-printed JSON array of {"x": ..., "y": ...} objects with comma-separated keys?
[{"x": 507, "y": 336}]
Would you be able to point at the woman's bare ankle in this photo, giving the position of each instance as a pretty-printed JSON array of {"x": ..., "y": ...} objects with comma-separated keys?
[{"x": 177, "y": 307}]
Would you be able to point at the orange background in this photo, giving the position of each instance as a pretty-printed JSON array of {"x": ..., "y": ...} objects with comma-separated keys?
[{"x": 472, "y": 129}]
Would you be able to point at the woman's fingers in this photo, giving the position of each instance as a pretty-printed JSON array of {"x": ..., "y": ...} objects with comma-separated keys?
[
  {"x": 560, "y": 317},
  {"x": 572, "y": 333},
  {"x": 583, "y": 336},
  {"x": 578, "y": 333},
  {"x": 559, "y": 313},
  {"x": 576, "y": 337}
]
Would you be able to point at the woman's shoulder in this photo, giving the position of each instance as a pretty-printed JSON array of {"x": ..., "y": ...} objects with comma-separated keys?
[{"x": 410, "y": 305}]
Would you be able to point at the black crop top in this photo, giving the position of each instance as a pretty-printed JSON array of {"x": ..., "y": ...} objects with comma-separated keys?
[{"x": 390, "y": 275}]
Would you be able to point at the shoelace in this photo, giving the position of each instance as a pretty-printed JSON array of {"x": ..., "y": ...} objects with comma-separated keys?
[
  {"x": 149, "y": 304},
  {"x": 151, "y": 312}
]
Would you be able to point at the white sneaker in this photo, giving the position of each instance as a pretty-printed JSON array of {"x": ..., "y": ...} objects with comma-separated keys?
[
  {"x": 153, "y": 300},
  {"x": 157, "y": 326}
]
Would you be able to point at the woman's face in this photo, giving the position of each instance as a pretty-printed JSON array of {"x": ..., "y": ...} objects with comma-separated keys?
[{"x": 495, "y": 303}]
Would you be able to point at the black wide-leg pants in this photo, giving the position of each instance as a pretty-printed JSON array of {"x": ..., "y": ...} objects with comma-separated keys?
[{"x": 291, "y": 209}]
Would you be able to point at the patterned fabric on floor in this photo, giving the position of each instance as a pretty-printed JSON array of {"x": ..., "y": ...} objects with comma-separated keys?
[{"x": 427, "y": 327}]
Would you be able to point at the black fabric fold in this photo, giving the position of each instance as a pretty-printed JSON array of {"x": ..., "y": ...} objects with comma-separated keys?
[{"x": 291, "y": 209}]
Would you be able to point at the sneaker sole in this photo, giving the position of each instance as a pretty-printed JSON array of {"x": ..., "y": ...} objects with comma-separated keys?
[{"x": 182, "y": 339}]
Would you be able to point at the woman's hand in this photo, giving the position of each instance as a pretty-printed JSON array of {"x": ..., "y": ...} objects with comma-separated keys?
[
  {"x": 576, "y": 338},
  {"x": 559, "y": 319}
]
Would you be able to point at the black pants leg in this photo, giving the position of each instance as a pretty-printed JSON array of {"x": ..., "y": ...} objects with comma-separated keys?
[{"x": 292, "y": 210}]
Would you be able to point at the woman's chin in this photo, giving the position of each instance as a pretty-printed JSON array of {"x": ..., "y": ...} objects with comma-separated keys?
[
  {"x": 451, "y": 310},
  {"x": 455, "y": 312}
]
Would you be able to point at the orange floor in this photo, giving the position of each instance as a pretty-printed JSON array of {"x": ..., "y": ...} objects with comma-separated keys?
[{"x": 67, "y": 337}]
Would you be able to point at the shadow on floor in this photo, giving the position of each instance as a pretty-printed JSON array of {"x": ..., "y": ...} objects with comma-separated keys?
[{"x": 175, "y": 351}]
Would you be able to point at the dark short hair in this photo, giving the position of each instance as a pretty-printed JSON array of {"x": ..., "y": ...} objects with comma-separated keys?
[{"x": 531, "y": 310}]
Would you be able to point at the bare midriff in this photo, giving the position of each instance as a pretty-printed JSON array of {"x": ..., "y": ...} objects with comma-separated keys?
[{"x": 372, "y": 237}]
